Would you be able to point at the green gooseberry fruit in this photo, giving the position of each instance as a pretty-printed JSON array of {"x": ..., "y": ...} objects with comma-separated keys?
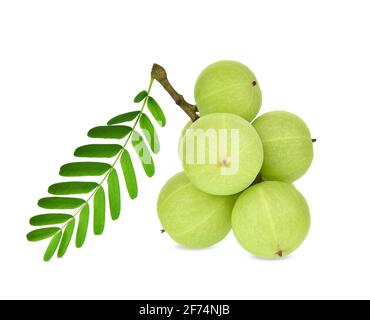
[
  {"x": 192, "y": 218},
  {"x": 287, "y": 145},
  {"x": 221, "y": 154},
  {"x": 187, "y": 126},
  {"x": 228, "y": 86},
  {"x": 271, "y": 219},
  {"x": 183, "y": 132}
]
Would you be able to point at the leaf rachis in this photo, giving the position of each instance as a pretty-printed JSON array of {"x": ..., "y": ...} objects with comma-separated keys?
[{"x": 96, "y": 190}]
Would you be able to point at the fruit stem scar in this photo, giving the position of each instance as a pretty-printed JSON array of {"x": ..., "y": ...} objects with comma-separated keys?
[
  {"x": 224, "y": 163},
  {"x": 254, "y": 83},
  {"x": 314, "y": 140},
  {"x": 160, "y": 74},
  {"x": 163, "y": 231},
  {"x": 279, "y": 253}
]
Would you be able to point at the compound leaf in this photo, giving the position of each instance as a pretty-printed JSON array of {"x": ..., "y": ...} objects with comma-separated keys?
[
  {"x": 60, "y": 203},
  {"x": 53, "y": 245},
  {"x": 114, "y": 195},
  {"x": 61, "y": 239},
  {"x": 67, "y": 236},
  {"x": 83, "y": 226},
  {"x": 49, "y": 219},
  {"x": 125, "y": 117},
  {"x": 99, "y": 211},
  {"x": 156, "y": 111},
  {"x": 129, "y": 174},
  {"x": 149, "y": 133},
  {"x": 81, "y": 169},
  {"x": 143, "y": 153},
  {"x": 98, "y": 151},
  {"x": 42, "y": 234},
  {"x": 67, "y": 188},
  {"x": 109, "y": 132}
]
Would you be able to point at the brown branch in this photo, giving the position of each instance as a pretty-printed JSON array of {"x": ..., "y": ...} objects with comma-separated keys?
[{"x": 160, "y": 74}]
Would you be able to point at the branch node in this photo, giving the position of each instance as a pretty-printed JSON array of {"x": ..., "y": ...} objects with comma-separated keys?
[{"x": 179, "y": 100}]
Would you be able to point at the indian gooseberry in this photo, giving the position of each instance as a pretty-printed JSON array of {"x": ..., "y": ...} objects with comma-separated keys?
[
  {"x": 287, "y": 145},
  {"x": 228, "y": 86},
  {"x": 187, "y": 126},
  {"x": 221, "y": 153},
  {"x": 183, "y": 132},
  {"x": 192, "y": 218},
  {"x": 271, "y": 219}
]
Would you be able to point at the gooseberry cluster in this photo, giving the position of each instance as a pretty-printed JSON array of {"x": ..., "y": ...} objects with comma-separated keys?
[{"x": 238, "y": 172}]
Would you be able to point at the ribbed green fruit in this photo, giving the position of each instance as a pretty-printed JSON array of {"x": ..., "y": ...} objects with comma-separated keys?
[
  {"x": 192, "y": 218},
  {"x": 271, "y": 219},
  {"x": 228, "y": 86},
  {"x": 222, "y": 154},
  {"x": 287, "y": 146}
]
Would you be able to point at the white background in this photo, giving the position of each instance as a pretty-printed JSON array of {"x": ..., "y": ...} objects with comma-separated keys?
[{"x": 66, "y": 66}]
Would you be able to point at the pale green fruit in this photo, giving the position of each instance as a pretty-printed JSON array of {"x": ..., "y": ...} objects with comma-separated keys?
[
  {"x": 222, "y": 154},
  {"x": 183, "y": 132},
  {"x": 287, "y": 144},
  {"x": 228, "y": 86},
  {"x": 192, "y": 218},
  {"x": 271, "y": 219},
  {"x": 187, "y": 126}
]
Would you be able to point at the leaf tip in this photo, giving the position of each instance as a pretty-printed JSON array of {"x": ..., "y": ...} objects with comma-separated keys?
[
  {"x": 98, "y": 232},
  {"x": 28, "y": 237}
]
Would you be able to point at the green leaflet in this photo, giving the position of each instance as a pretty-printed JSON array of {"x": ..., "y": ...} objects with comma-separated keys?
[
  {"x": 42, "y": 234},
  {"x": 114, "y": 195},
  {"x": 129, "y": 174},
  {"x": 143, "y": 153},
  {"x": 66, "y": 188},
  {"x": 141, "y": 96},
  {"x": 67, "y": 236},
  {"x": 126, "y": 117},
  {"x": 83, "y": 169},
  {"x": 98, "y": 151},
  {"x": 53, "y": 245},
  {"x": 149, "y": 133},
  {"x": 99, "y": 211},
  {"x": 60, "y": 203},
  {"x": 109, "y": 132},
  {"x": 156, "y": 111},
  {"x": 83, "y": 226},
  {"x": 49, "y": 219}
]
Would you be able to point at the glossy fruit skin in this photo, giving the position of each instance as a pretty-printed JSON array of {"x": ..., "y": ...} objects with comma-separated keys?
[
  {"x": 237, "y": 164},
  {"x": 287, "y": 145},
  {"x": 191, "y": 217},
  {"x": 271, "y": 219},
  {"x": 228, "y": 86}
]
